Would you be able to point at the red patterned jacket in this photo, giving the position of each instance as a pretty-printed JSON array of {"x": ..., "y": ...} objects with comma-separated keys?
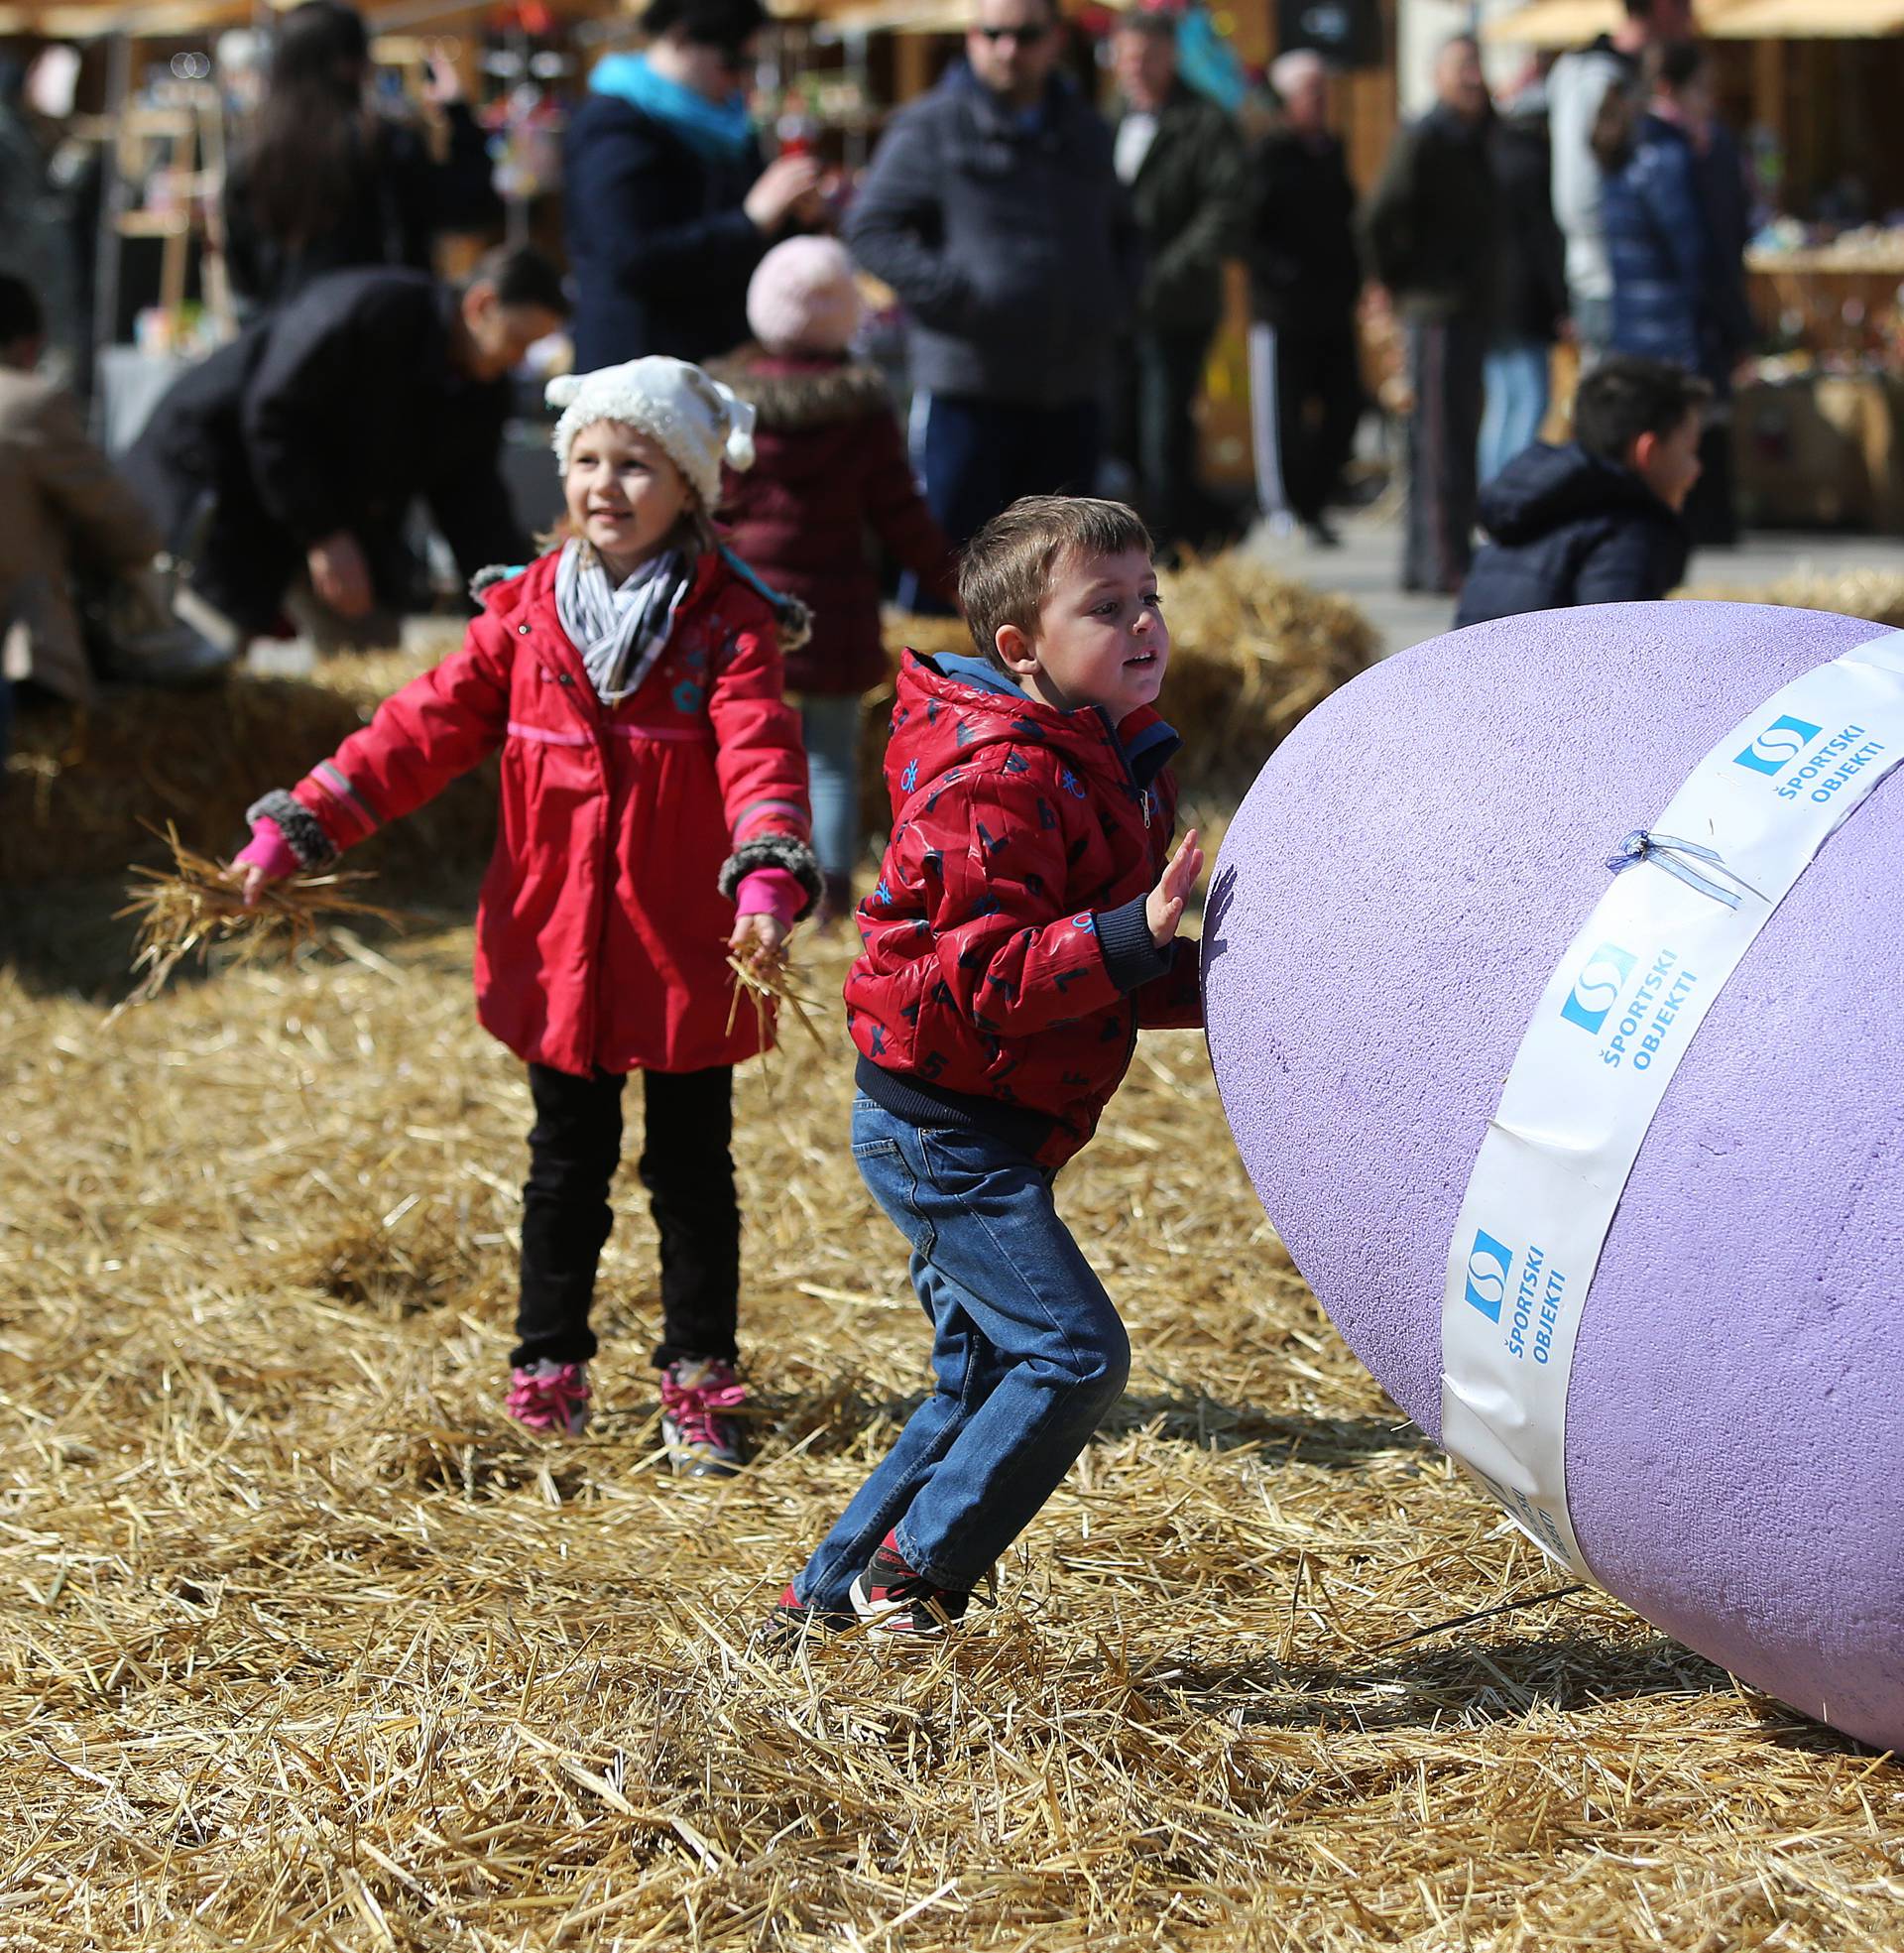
[
  {"x": 624, "y": 831},
  {"x": 1007, "y": 963}
]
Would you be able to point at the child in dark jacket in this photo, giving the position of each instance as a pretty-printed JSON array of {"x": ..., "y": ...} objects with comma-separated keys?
[
  {"x": 829, "y": 465},
  {"x": 1600, "y": 520},
  {"x": 1024, "y": 927}
]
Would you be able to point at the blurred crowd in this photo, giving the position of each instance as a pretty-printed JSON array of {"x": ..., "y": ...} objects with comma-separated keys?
[{"x": 1060, "y": 274}]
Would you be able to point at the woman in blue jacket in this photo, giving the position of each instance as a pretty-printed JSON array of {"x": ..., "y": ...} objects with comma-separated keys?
[
  {"x": 1658, "y": 235},
  {"x": 667, "y": 204}
]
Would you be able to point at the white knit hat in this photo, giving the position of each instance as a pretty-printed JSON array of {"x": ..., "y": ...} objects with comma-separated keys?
[{"x": 697, "y": 422}]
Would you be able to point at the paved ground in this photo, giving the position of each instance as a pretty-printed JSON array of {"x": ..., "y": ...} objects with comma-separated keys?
[{"x": 1367, "y": 568}]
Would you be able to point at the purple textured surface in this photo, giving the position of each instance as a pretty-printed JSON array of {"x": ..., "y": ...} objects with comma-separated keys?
[{"x": 1390, "y": 899}]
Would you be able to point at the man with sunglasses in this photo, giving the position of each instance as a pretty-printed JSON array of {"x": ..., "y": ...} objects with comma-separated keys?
[
  {"x": 994, "y": 210},
  {"x": 667, "y": 206}
]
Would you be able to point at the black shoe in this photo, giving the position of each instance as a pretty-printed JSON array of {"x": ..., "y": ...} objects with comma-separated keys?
[
  {"x": 894, "y": 1600},
  {"x": 1321, "y": 536}
]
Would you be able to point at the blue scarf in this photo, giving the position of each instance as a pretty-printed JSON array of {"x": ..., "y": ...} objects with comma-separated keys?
[{"x": 717, "y": 132}]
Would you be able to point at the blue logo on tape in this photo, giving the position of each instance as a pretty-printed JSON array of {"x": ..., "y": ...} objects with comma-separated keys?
[
  {"x": 1777, "y": 746},
  {"x": 1596, "y": 988},
  {"x": 1488, "y": 1263}
]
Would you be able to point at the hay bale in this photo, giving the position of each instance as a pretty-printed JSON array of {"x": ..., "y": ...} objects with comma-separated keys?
[
  {"x": 1252, "y": 652},
  {"x": 1874, "y": 594},
  {"x": 89, "y": 792}
]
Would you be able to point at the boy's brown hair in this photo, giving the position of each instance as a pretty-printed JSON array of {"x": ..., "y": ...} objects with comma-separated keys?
[{"x": 1005, "y": 571}]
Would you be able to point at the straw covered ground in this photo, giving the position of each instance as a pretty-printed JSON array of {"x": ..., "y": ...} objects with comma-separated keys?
[
  {"x": 303, "y": 1645},
  {"x": 1877, "y": 594}
]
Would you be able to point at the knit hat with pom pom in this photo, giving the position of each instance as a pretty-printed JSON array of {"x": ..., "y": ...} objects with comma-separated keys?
[
  {"x": 695, "y": 420},
  {"x": 803, "y": 298}
]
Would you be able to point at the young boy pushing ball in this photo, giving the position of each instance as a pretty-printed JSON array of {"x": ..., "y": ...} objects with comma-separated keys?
[{"x": 1024, "y": 927}]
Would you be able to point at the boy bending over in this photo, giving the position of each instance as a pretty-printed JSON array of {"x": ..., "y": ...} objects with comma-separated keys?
[
  {"x": 1024, "y": 927},
  {"x": 1600, "y": 520}
]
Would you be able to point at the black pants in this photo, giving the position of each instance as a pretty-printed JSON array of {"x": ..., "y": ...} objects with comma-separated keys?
[
  {"x": 1305, "y": 401},
  {"x": 1160, "y": 375},
  {"x": 574, "y": 1147},
  {"x": 1446, "y": 360}
]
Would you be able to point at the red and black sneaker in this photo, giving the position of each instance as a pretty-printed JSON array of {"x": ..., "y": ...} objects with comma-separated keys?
[
  {"x": 891, "y": 1599},
  {"x": 789, "y": 1618}
]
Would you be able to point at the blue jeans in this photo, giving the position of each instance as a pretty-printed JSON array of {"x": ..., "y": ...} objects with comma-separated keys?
[
  {"x": 830, "y": 729},
  {"x": 1515, "y": 379},
  {"x": 1027, "y": 1355}
]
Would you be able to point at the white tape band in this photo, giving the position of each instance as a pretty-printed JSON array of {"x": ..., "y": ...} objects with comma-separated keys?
[{"x": 1609, "y": 1032}]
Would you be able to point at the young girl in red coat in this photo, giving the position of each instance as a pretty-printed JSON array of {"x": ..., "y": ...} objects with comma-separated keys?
[
  {"x": 654, "y": 817},
  {"x": 830, "y": 468}
]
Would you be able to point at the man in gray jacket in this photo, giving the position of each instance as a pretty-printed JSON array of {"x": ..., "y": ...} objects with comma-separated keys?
[{"x": 992, "y": 209}]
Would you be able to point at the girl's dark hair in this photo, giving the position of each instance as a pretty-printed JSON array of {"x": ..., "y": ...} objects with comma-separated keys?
[
  {"x": 310, "y": 146},
  {"x": 707, "y": 23}
]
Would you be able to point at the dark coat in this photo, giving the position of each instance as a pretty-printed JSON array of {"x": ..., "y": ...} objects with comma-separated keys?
[
  {"x": 659, "y": 243},
  {"x": 1567, "y": 528},
  {"x": 403, "y": 200},
  {"x": 1300, "y": 243},
  {"x": 1188, "y": 201},
  {"x": 1431, "y": 231},
  {"x": 1726, "y": 324},
  {"x": 1531, "y": 297},
  {"x": 1660, "y": 248},
  {"x": 830, "y": 471},
  {"x": 334, "y": 413},
  {"x": 1011, "y": 243}
]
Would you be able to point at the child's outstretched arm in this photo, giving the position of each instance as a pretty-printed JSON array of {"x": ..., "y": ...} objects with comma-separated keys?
[
  {"x": 438, "y": 726},
  {"x": 761, "y": 762}
]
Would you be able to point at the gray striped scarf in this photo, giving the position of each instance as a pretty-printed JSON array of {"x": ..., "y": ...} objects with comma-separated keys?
[{"x": 620, "y": 632}]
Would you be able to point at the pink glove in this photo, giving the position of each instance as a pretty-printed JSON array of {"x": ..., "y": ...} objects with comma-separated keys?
[
  {"x": 268, "y": 850},
  {"x": 770, "y": 892}
]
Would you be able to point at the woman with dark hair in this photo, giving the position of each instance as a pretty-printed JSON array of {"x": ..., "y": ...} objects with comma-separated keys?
[
  {"x": 327, "y": 180},
  {"x": 668, "y": 207}
]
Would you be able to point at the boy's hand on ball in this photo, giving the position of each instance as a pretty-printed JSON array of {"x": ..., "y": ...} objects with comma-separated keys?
[{"x": 1163, "y": 908}]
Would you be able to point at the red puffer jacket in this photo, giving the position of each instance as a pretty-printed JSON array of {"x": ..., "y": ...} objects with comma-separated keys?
[
  {"x": 601, "y": 940},
  {"x": 1007, "y": 963}
]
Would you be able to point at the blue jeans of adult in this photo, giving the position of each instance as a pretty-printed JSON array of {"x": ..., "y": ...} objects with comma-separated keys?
[
  {"x": 1027, "y": 1355},
  {"x": 1514, "y": 379},
  {"x": 830, "y": 730},
  {"x": 978, "y": 456}
]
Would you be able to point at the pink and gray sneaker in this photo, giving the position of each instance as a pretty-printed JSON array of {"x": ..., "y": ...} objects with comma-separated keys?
[
  {"x": 698, "y": 1396},
  {"x": 549, "y": 1397}
]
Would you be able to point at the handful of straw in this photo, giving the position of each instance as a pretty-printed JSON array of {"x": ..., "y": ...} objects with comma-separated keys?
[
  {"x": 199, "y": 902},
  {"x": 765, "y": 979}
]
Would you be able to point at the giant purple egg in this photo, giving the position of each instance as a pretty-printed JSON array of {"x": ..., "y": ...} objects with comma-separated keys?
[{"x": 1388, "y": 905}]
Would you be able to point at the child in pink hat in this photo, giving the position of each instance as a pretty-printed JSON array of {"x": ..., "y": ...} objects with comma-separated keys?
[{"x": 829, "y": 465}]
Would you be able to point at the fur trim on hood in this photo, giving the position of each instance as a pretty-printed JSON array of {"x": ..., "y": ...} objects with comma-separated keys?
[{"x": 814, "y": 396}]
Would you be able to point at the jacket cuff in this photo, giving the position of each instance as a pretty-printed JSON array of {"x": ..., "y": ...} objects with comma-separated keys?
[
  {"x": 784, "y": 851},
  {"x": 1130, "y": 954},
  {"x": 304, "y": 832},
  {"x": 771, "y": 892}
]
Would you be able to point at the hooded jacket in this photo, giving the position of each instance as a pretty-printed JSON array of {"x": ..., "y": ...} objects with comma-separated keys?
[
  {"x": 829, "y": 468},
  {"x": 1007, "y": 964},
  {"x": 1659, "y": 245},
  {"x": 1567, "y": 528},
  {"x": 601, "y": 941},
  {"x": 1007, "y": 237}
]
